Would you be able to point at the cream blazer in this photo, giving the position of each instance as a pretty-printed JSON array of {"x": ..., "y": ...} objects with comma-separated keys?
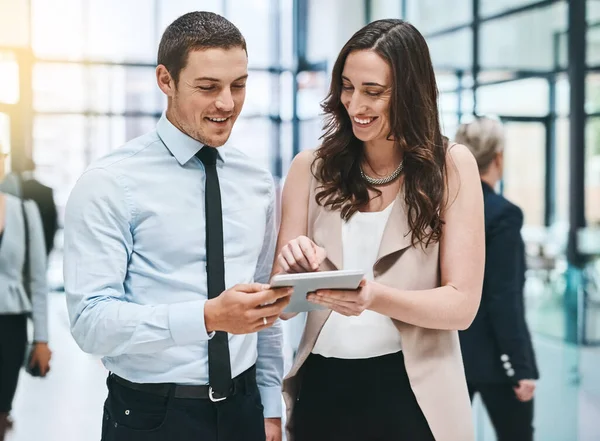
[{"x": 432, "y": 357}]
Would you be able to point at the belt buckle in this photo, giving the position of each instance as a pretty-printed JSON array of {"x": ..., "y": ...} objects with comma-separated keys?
[{"x": 212, "y": 397}]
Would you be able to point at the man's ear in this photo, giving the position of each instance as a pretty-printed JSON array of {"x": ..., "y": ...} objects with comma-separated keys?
[{"x": 165, "y": 81}]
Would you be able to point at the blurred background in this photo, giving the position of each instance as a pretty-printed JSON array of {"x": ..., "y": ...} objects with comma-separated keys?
[{"x": 77, "y": 80}]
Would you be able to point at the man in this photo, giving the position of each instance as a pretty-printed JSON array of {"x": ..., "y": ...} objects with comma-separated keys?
[
  {"x": 167, "y": 243},
  {"x": 25, "y": 186}
]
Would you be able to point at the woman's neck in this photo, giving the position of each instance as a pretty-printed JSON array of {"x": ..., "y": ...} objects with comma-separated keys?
[{"x": 382, "y": 157}]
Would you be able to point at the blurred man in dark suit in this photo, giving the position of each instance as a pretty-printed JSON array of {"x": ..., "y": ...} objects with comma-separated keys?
[{"x": 25, "y": 186}]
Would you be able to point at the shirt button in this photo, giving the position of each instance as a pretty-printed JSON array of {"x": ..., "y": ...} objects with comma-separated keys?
[
  {"x": 504, "y": 357},
  {"x": 127, "y": 412},
  {"x": 510, "y": 373},
  {"x": 507, "y": 365}
]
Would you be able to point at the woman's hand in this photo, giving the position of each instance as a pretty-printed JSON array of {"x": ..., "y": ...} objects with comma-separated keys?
[
  {"x": 346, "y": 302},
  {"x": 40, "y": 356},
  {"x": 301, "y": 255}
]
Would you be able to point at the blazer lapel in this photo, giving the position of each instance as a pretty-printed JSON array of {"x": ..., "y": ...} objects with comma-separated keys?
[
  {"x": 396, "y": 234},
  {"x": 327, "y": 233}
]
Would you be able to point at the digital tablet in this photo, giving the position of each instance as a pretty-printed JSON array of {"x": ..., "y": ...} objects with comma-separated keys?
[{"x": 304, "y": 283}]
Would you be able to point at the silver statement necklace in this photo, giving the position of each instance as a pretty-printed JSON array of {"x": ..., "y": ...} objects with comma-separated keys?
[{"x": 385, "y": 179}]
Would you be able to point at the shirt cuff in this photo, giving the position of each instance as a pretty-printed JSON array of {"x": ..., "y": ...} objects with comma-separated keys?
[
  {"x": 271, "y": 400},
  {"x": 186, "y": 323},
  {"x": 40, "y": 336}
]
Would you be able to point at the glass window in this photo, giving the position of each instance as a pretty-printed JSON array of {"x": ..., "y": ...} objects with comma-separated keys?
[
  {"x": 254, "y": 18},
  {"x": 449, "y": 122},
  {"x": 14, "y": 23},
  {"x": 285, "y": 147},
  {"x": 592, "y": 172},
  {"x": 58, "y": 27},
  {"x": 448, "y": 103},
  {"x": 562, "y": 170},
  {"x": 467, "y": 104},
  {"x": 253, "y": 136},
  {"x": 286, "y": 43},
  {"x": 452, "y": 51},
  {"x": 286, "y": 96},
  {"x": 524, "y": 98},
  {"x": 120, "y": 30},
  {"x": 325, "y": 36},
  {"x": 310, "y": 132},
  {"x": 446, "y": 82},
  {"x": 170, "y": 10},
  {"x": 385, "y": 9},
  {"x": 9, "y": 78},
  {"x": 4, "y": 133},
  {"x": 593, "y": 46},
  {"x": 433, "y": 15},
  {"x": 59, "y": 87},
  {"x": 524, "y": 169},
  {"x": 312, "y": 90},
  {"x": 258, "y": 93},
  {"x": 593, "y": 11},
  {"x": 563, "y": 89},
  {"x": 119, "y": 89},
  {"x": 59, "y": 152},
  {"x": 493, "y": 7},
  {"x": 522, "y": 41},
  {"x": 592, "y": 93}
]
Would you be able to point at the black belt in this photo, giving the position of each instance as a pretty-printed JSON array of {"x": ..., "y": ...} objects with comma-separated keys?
[{"x": 243, "y": 383}]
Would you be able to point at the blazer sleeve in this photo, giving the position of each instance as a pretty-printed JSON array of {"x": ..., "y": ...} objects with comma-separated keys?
[
  {"x": 503, "y": 298},
  {"x": 37, "y": 266}
]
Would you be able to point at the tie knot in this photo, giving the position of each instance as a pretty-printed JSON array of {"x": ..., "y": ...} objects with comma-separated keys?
[{"x": 208, "y": 155}]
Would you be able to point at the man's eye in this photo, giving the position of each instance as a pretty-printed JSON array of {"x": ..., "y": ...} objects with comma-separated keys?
[{"x": 207, "y": 88}]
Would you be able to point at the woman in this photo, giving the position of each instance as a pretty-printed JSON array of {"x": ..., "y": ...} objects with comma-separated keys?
[
  {"x": 15, "y": 303},
  {"x": 384, "y": 193},
  {"x": 497, "y": 350}
]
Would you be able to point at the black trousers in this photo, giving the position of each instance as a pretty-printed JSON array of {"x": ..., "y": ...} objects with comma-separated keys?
[
  {"x": 358, "y": 400},
  {"x": 512, "y": 419},
  {"x": 132, "y": 415},
  {"x": 13, "y": 342}
]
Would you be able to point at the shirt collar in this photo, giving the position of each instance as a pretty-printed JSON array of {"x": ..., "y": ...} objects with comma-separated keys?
[{"x": 181, "y": 146}]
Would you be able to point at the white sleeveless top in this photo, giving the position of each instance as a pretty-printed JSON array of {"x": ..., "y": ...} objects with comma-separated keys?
[{"x": 370, "y": 334}]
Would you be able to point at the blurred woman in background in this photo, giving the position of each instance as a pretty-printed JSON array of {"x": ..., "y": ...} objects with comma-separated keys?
[
  {"x": 23, "y": 292},
  {"x": 498, "y": 354}
]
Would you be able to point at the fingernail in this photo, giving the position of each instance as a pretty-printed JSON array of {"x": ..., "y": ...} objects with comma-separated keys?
[{"x": 265, "y": 287}]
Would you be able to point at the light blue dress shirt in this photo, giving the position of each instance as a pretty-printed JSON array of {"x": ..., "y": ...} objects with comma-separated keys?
[{"x": 135, "y": 260}]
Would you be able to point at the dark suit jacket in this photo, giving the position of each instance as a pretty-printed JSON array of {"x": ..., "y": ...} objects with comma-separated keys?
[
  {"x": 497, "y": 346},
  {"x": 44, "y": 199}
]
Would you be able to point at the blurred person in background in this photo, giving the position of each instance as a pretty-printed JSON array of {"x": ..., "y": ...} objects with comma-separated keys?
[
  {"x": 26, "y": 186},
  {"x": 168, "y": 243},
  {"x": 384, "y": 193},
  {"x": 23, "y": 292},
  {"x": 497, "y": 350}
]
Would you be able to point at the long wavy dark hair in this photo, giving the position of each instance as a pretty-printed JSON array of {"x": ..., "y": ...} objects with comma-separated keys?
[{"x": 414, "y": 125}]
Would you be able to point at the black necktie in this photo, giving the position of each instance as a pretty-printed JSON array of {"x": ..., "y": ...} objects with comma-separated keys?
[{"x": 219, "y": 366}]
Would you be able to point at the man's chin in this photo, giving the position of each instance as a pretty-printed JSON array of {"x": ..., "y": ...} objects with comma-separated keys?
[{"x": 214, "y": 141}]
